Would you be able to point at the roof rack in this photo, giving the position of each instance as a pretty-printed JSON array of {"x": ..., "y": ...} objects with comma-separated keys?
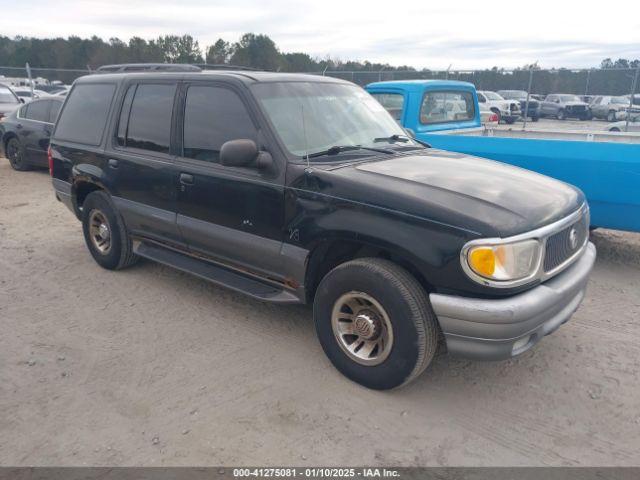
[
  {"x": 148, "y": 67},
  {"x": 223, "y": 66}
]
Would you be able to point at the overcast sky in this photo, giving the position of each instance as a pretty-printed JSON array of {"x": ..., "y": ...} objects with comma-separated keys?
[{"x": 420, "y": 33}]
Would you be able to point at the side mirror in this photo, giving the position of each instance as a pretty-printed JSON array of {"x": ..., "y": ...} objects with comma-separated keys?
[{"x": 244, "y": 153}]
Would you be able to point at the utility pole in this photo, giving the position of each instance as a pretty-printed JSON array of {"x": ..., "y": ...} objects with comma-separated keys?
[
  {"x": 526, "y": 105},
  {"x": 633, "y": 91},
  {"x": 28, "y": 68}
]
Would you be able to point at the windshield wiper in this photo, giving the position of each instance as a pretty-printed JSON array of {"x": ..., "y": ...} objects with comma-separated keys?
[
  {"x": 402, "y": 139},
  {"x": 336, "y": 149},
  {"x": 393, "y": 138}
]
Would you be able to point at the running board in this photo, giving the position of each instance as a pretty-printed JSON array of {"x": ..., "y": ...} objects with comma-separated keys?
[{"x": 213, "y": 273}]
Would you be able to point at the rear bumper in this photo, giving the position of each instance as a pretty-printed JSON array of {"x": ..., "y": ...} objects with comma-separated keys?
[
  {"x": 497, "y": 329},
  {"x": 63, "y": 192}
]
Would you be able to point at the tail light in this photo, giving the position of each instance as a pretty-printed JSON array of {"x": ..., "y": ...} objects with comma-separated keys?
[{"x": 50, "y": 159}]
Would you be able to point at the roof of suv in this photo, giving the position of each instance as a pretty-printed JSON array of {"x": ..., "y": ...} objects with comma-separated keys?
[{"x": 241, "y": 75}]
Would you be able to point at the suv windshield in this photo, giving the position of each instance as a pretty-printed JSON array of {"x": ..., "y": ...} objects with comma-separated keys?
[
  {"x": 312, "y": 117},
  {"x": 492, "y": 96},
  {"x": 620, "y": 100},
  {"x": 569, "y": 98},
  {"x": 6, "y": 96},
  {"x": 513, "y": 94}
]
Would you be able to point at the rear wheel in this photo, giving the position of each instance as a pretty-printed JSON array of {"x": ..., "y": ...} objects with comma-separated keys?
[
  {"x": 105, "y": 233},
  {"x": 375, "y": 323},
  {"x": 16, "y": 155}
]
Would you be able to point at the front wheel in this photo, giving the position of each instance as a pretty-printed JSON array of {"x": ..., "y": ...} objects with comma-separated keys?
[
  {"x": 17, "y": 156},
  {"x": 375, "y": 323},
  {"x": 562, "y": 115}
]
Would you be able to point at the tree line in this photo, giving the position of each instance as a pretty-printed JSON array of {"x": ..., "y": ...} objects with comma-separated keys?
[{"x": 260, "y": 52}]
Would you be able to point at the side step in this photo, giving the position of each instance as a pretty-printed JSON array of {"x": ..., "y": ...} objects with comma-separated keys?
[{"x": 213, "y": 273}]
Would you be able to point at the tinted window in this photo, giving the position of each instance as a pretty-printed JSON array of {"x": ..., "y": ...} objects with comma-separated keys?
[
  {"x": 213, "y": 116},
  {"x": 124, "y": 116},
  {"x": 441, "y": 107},
  {"x": 39, "y": 111},
  {"x": 149, "y": 126},
  {"x": 392, "y": 102},
  {"x": 85, "y": 114},
  {"x": 55, "y": 109}
]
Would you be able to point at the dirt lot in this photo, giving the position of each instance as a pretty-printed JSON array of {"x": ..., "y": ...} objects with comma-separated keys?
[{"x": 150, "y": 366}]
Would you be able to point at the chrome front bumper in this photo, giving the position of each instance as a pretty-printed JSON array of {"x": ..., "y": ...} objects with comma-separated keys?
[{"x": 494, "y": 329}]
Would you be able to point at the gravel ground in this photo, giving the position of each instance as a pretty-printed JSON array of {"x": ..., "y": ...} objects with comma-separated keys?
[{"x": 150, "y": 366}]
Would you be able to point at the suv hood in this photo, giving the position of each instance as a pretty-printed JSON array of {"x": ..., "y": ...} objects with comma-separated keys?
[{"x": 486, "y": 197}]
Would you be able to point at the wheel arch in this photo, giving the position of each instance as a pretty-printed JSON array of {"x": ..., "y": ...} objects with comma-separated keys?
[{"x": 334, "y": 249}]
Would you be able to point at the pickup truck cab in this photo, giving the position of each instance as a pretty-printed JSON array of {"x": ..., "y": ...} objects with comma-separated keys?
[
  {"x": 604, "y": 165},
  {"x": 303, "y": 189}
]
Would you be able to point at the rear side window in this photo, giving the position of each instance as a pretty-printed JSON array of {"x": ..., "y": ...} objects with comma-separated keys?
[
  {"x": 444, "y": 107},
  {"x": 149, "y": 126},
  {"x": 38, "y": 111},
  {"x": 85, "y": 114},
  {"x": 392, "y": 102},
  {"x": 213, "y": 116}
]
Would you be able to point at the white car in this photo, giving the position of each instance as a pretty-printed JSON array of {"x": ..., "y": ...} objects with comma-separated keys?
[
  {"x": 507, "y": 110},
  {"x": 634, "y": 125},
  {"x": 25, "y": 94}
]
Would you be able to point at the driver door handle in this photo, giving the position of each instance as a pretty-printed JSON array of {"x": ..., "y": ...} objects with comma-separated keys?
[{"x": 186, "y": 179}]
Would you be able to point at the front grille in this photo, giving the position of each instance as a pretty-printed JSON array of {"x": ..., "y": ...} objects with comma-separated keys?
[
  {"x": 560, "y": 248},
  {"x": 577, "y": 108}
]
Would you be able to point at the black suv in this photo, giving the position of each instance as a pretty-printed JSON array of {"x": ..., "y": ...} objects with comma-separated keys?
[{"x": 303, "y": 189}]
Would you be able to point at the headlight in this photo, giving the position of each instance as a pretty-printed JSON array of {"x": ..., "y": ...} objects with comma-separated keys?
[{"x": 503, "y": 262}]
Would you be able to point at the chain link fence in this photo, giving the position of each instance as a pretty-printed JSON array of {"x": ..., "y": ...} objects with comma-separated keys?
[{"x": 612, "y": 81}]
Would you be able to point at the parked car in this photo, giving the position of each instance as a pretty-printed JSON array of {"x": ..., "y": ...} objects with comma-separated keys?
[
  {"x": 507, "y": 110},
  {"x": 303, "y": 189},
  {"x": 605, "y": 167},
  {"x": 487, "y": 117},
  {"x": 27, "y": 95},
  {"x": 532, "y": 109},
  {"x": 621, "y": 126},
  {"x": 25, "y": 133},
  {"x": 609, "y": 107},
  {"x": 9, "y": 101},
  {"x": 564, "y": 106}
]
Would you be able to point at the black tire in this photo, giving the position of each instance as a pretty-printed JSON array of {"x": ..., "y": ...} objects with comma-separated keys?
[
  {"x": 16, "y": 155},
  {"x": 614, "y": 129},
  {"x": 120, "y": 253},
  {"x": 510, "y": 120},
  {"x": 562, "y": 115},
  {"x": 414, "y": 325},
  {"x": 535, "y": 119},
  {"x": 611, "y": 116}
]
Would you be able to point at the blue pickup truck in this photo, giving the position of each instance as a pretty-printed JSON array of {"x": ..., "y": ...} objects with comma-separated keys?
[{"x": 604, "y": 165}]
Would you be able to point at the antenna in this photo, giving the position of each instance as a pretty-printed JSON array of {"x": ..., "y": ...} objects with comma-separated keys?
[{"x": 304, "y": 133}]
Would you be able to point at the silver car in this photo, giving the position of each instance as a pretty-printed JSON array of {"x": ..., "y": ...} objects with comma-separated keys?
[
  {"x": 609, "y": 107},
  {"x": 564, "y": 105}
]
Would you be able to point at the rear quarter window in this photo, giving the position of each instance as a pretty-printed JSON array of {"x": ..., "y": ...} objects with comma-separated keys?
[{"x": 84, "y": 116}]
